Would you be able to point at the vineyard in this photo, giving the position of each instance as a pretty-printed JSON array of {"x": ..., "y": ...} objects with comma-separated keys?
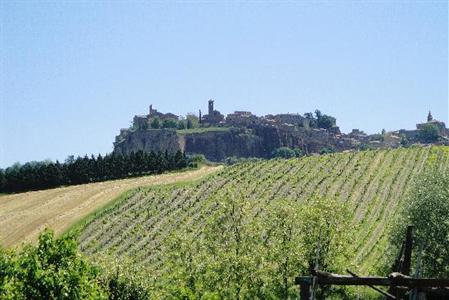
[
  {"x": 371, "y": 184},
  {"x": 24, "y": 215}
]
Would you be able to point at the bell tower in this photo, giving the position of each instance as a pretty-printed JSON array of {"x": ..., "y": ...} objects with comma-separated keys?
[{"x": 211, "y": 107}]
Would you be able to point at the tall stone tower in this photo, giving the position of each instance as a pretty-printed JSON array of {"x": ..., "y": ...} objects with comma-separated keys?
[
  {"x": 211, "y": 107},
  {"x": 429, "y": 117}
]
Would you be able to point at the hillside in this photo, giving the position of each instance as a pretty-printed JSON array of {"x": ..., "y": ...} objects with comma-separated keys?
[
  {"x": 372, "y": 183},
  {"x": 243, "y": 134},
  {"x": 24, "y": 215}
]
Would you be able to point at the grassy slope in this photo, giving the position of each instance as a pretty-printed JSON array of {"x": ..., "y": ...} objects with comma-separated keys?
[
  {"x": 374, "y": 183},
  {"x": 24, "y": 215}
]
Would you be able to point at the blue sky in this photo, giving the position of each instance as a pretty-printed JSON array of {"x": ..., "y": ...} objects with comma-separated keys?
[{"x": 73, "y": 73}]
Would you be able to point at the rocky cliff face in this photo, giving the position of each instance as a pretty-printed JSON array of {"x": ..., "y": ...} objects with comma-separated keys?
[
  {"x": 259, "y": 141},
  {"x": 148, "y": 140},
  {"x": 243, "y": 134},
  {"x": 254, "y": 141},
  {"x": 217, "y": 146}
]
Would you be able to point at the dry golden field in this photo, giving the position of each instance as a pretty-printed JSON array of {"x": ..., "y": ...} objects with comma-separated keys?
[{"x": 24, "y": 215}]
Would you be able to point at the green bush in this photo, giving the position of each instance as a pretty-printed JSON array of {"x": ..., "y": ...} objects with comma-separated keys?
[
  {"x": 427, "y": 209},
  {"x": 51, "y": 270},
  {"x": 155, "y": 124},
  {"x": 192, "y": 121},
  {"x": 324, "y": 121},
  {"x": 232, "y": 160},
  {"x": 242, "y": 255},
  {"x": 181, "y": 125},
  {"x": 124, "y": 282},
  {"x": 326, "y": 150},
  {"x": 429, "y": 133},
  {"x": 285, "y": 152},
  {"x": 169, "y": 123}
]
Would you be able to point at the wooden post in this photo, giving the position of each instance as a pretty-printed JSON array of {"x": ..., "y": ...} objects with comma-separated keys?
[
  {"x": 408, "y": 251},
  {"x": 304, "y": 292}
]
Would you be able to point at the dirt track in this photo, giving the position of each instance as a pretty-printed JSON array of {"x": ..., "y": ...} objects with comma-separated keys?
[{"x": 23, "y": 216}]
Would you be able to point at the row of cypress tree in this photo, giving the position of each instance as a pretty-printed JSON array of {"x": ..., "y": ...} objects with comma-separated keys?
[{"x": 48, "y": 174}]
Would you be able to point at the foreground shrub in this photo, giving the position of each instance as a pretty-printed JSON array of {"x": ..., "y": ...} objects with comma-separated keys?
[
  {"x": 427, "y": 209},
  {"x": 246, "y": 253},
  {"x": 51, "y": 270}
]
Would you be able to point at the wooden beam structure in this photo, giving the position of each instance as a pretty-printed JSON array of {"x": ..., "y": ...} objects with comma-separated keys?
[{"x": 399, "y": 281}]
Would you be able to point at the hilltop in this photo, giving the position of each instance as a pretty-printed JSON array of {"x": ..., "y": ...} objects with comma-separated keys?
[{"x": 243, "y": 134}]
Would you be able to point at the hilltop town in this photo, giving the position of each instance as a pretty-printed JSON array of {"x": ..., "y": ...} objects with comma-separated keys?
[{"x": 243, "y": 134}]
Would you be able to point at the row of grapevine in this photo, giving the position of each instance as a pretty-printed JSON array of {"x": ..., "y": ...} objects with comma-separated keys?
[{"x": 371, "y": 184}]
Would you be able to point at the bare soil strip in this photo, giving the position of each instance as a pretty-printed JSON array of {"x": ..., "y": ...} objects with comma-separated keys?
[{"x": 23, "y": 216}]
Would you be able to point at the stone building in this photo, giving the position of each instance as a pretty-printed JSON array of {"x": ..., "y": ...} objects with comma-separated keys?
[
  {"x": 213, "y": 117},
  {"x": 241, "y": 119},
  {"x": 439, "y": 124},
  {"x": 294, "y": 119},
  {"x": 154, "y": 113},
  {"x": 143, "y": 122},
  {"x": 140, "y": 122}
]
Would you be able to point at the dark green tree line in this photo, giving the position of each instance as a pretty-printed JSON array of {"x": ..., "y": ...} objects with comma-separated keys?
[{"x": 48, "y": 174}]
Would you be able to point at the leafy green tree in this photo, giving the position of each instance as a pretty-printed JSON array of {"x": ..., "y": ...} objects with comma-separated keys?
[
  {"x": 180, "y": 160},
  {"x": 404, "y": 141},
  {"x": 124, "y": 281},
  {"x": 196, "y": 159},
  {"x": 298, "y": 152},
  {"x": 311, "y": 121},
  {"x": 429, "y": 133},
  {"x": 51, "y": 270},
  {"x": 156, "y": 123},
  {"x": 46, "y": 174},
  {"x": 283, "y": 152},
  {"x": 192, "y": 121},
  {"x": 145, "y": 126},
  {"x": 324, "y": 121},
  {"x": 327, "y": 237},
  {"x": 327, "y": 228},
  {"x": 169, "y": 123},
  {"x": 326, "y": 150},
  {"x": 427, "y": 209},
  {"x": 232, "y": 244},
  {"x": 181, "y": 124},
  {"x": 2, "y": 180},
  {"x": 284, "y": 249},
  {"x": 221, "y": 261},
  {"x": 184, "y": 275},
  {"x": 244, "y": 253}
]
